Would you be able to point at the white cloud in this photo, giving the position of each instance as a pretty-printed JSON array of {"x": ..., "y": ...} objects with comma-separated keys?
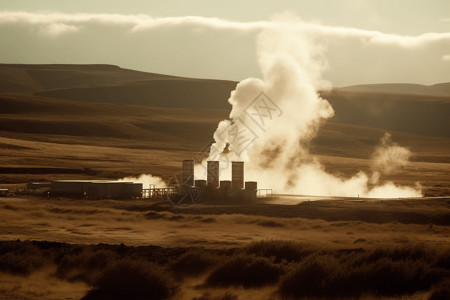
[
  {"x": 56, "y": 29},
  {"x": 64, "y": 23},
  {"x": 218, "y": 48}
]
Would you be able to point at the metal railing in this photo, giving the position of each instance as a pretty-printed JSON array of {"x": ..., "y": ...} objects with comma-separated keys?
[
  {"x": 158, "y": 193},
  {"x": 264, "y": 193}
]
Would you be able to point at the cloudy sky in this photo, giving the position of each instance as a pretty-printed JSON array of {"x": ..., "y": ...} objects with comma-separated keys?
[{"x": 364, "y": 41}]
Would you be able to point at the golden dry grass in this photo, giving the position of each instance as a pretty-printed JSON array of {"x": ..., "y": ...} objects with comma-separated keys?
[
  {"x": 284, "y": 235},
  {"x": 91, "y": 140},
  {"x": 43, "y": 139}
]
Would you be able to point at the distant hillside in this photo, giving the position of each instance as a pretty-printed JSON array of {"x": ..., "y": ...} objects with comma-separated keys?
[
  {"x": 408, "y": 108},
  {"x": 40, "y": 118},
  {"x": 112, "y": 84},
  {"x": 187, "y": 93},
  {"x": 441, "y": 89},
  {"x": 27, "y": 79},
  {"x": 43, "y": 139},
  {"x": 417, "y": 114},
  {"x": 102, "y": 124}
]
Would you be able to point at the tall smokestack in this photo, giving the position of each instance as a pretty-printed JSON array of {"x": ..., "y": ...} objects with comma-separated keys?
[
  {"x": 237, "y": 175},
  {"x": 188, "y": 172},
  {"x": 212, "y": 174}
]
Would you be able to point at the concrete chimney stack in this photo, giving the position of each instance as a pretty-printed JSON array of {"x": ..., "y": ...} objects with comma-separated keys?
[
  {"x": 188, "y": 172},
  {"x": 237, "y": 175},
  {"x": 212, "y": 170}
]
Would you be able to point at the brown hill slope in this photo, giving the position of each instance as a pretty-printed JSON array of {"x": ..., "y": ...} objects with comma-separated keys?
[
  {"x": 415, "y": 114},
  {"x": 112, "y": 84},
  {"x": 441, "y": 89},
  {"x": 27, "y": 79},
  {"x": 41, "y": 117},
  {"x": 187, "y": 93},
  {"x": 39, "y": 136}
]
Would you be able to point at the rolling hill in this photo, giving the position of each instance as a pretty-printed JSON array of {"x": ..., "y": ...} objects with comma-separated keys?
[
  {"x": 414, "y": 109},
  {"x": 112, "y": 84},
  {"x": 27, "y": 79},
  {"x": 416, "y": 114},
  {"x": 108, "y": 122},
  {"x": 441, "y": 89}
]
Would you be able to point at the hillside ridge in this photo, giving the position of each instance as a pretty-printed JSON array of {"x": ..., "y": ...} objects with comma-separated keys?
[
  {"x": 411, "y": 112},
  {"x": 440, "y": 89}
]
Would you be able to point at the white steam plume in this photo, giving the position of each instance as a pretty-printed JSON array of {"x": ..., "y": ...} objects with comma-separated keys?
[
  {"x": 272, "y": 131},
  {"x": 146, "y": 180},
  {"x": 389, "y": 157}
]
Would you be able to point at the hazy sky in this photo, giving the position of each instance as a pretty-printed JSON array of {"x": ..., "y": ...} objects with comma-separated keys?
[{"x": 366, "y": 41}]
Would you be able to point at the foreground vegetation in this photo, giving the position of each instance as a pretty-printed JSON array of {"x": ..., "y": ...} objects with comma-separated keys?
[{"x": 293, "y": 270}]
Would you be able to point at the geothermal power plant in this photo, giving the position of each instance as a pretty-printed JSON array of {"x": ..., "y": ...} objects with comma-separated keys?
[
  {"x": 189, "y": 190},
  {"x": 213, "y": 188},
  {"x": 96, "y": 189}
]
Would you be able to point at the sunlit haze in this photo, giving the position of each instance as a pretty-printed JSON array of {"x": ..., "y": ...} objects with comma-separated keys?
[
  {"x": 224, "y": 150},
  {"x": 364, "y": 41}
]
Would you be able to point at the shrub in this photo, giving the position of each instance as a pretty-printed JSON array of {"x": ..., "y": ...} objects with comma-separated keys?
[
  {"x": 131, "y": 279},
  {"x": 313, "y": 277},
  {"x": 331, "y": 277},
  {"x": 441, "y": 291},
  {"x": 22, "y": 258},
  {"x": 227, "y": 296},
  {"x": 85, "y": 263},
  {"x": 279, "y": 250},
  {"x": 193, "y": 263},
  {"x": 245, "y": 270},
  {"x": 270, "y": 223}
]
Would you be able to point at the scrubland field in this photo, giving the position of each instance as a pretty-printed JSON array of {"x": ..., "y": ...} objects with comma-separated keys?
[
  {"x": 103, "y": 122},
  {"x": 101, "y": 249}
]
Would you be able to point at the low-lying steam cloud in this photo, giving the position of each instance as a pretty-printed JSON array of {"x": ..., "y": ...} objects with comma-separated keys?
[
  {"x": 389, "y": 157},
  {"x": 147, "y": 180},
  {"x": 271, "y": 131}
]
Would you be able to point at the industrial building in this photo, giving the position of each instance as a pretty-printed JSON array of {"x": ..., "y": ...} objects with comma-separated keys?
[
  {"x": 96, "y": 189},
  {"x": 4, "y": 192},
  {"x": 212, "y": 189}
]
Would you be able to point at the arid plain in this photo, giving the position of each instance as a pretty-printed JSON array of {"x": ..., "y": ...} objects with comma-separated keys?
[{"x": 104, "y": 122}]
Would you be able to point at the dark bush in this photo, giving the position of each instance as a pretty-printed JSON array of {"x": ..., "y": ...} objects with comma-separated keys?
[
  {"x": 390, "y": 278},
  {"x": 441, "y": 291},
  {"x": 227, "y": 296},
  {"x": 339, "y": 277},
  {"x": 280, "y": 250},
  {"x": 131, "y": 279},
  {"x": 314, "y": 277},
  {"x": 270, "y": 223},
  {"x": 245, "y": 270},
  {"x": 85, "y": 263},
  {"x": 193, "y": 263},
  {"x": 21, "y": 264},
  {"x": 442, "y": 258},
  {"x": 22, "y": 258}
]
